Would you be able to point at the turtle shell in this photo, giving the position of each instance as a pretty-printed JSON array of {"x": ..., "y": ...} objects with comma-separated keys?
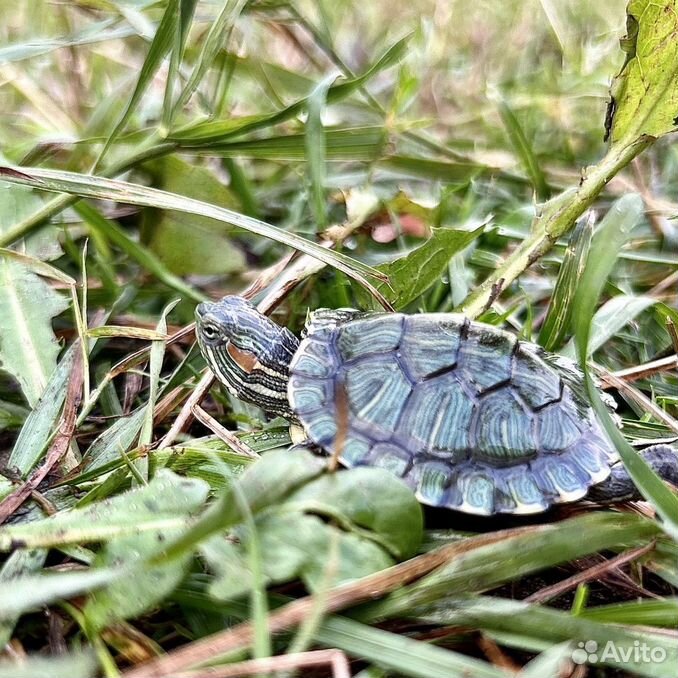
[{"x": 468, "y": 416}]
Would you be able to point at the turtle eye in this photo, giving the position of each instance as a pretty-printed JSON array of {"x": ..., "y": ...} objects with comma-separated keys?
[{"x": 210, "y": 332}]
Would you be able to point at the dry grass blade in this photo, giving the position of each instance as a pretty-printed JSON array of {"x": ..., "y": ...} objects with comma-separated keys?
[
  {"x": 336, "y": 660},
  {"x": 495, "y": 654},
  {"x": 231, "y": 440},
  {"x": 589, "y": 574},
  {"x": 139, "y": 356},
  {"x": 59, "y": 445},
  {"x": 186, "y": 415},
  {"x": 630, "y": 374},
  {"x": 639, "y": 398},
  {"x": 342, "y": 421}
]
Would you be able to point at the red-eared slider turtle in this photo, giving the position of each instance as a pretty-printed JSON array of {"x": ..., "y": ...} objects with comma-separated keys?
[{"x": 467, "y": 415}]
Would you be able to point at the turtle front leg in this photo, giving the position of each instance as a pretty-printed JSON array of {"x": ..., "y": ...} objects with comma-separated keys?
[{"x": 619, "y": 487}]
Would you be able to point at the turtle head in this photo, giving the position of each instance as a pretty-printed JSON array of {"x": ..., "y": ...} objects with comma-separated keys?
[{"x": 247, "y": 352}]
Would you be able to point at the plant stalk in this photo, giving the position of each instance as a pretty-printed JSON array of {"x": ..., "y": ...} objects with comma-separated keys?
[{"x": 556, "y": 218}]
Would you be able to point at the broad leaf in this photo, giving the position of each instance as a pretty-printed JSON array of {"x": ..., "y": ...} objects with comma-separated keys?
[
  {"x": 165, "y": 503},
  {"x": 28, "y": 347},
  {"x": 644, "y": 94},
  {"x": 209, "y": 250},
  {"x": 410, "y": 276},
  {"x": 343, "y": 525}
]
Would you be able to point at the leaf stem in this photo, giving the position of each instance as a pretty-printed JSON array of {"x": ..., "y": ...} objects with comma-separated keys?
[{"x": 556, "y": 218}]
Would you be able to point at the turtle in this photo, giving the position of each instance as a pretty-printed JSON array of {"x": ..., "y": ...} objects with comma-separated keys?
[{"x": 469, "y": 416}]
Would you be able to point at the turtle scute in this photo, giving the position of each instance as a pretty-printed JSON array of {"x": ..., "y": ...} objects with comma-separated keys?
[{"x": 471, "y": 418}]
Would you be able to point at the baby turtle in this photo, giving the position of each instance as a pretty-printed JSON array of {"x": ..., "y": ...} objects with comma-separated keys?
[{"x": 470, "y": 417}]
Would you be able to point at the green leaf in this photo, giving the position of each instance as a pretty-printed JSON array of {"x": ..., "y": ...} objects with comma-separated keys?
[
  {"x": 263, "y": 484},
  {"x": 293, "y": 546},
  {"x": 644, "y": 94},
  {"x": 143, "y": 585},
  {"x": 410, "y": 276},
  {"x": 114, "y": 441},
  {"x": 299, "y": 515},
  {"x": 369, "y": 500},
  {"x": 209, "y": 250},
  {"x": 165, "y": 503},
  {"x": 28, "y": 347},
  {"x": 37, "y": 429},
  {"x": 69, "y": 665}
]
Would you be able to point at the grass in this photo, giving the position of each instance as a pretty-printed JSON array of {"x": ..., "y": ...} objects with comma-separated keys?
[{"x": 421, "y": 156}]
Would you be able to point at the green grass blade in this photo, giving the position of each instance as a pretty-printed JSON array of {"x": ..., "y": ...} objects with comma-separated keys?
[
  {"x": 37, "y": 429},
  {"x": 185, "y": 11},
  {"x": 603, "y": 255},
  {"x": 156, "y": 360},
  {"x": 94, "y": 33},
  {"x": 401, "y": 654},
  {"x": 559, "y": 312},
  {"x": 551, "y": 663},
  {"x": 134, "y": 194},
  {"x": 71, "y": 665},
  {"x": 160, "y": 45},
  {"x": 116, "y": 439},
  {"x": 214, "y": 42},
  {"x": 516, "y": 556},
  {"x": 524, "y": 150},
  {"x": 641, "y": 612},
  {"x": 134, "y": 250},
  {"x": 432, "y": 170},
  {"x": 27, "y": 593},
  {"x": 533, "y": 627},
  {"x": 208, "y": 133},
  {"x": 353, "y": 144},
  {"x": 315, "y": 150}
]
